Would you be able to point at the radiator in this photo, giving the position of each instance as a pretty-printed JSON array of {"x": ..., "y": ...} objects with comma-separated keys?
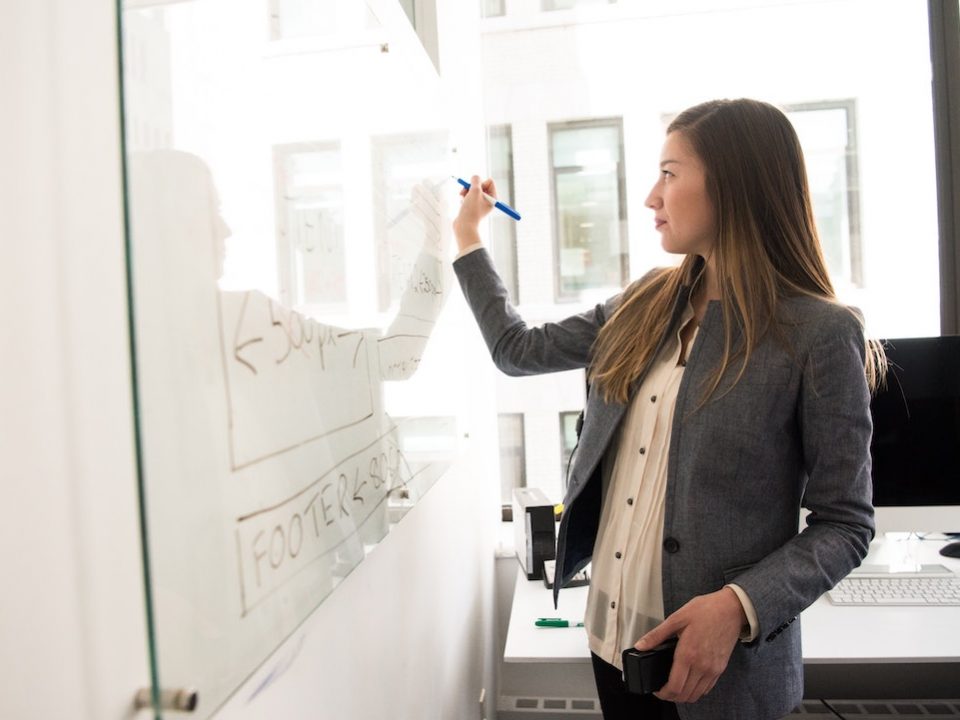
[
  {"x": 547, "y": 708},
  {"x": 560, "y": 708},
  {"x": 877, "y": 709}
]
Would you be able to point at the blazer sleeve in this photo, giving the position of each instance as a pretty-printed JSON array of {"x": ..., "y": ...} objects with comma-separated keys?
[
  {"x": 517, "y": 349},
  {"x": 835, "y": 428}
]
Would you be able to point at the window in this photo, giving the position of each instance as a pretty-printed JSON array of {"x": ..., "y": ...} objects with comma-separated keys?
[
  {"x": 590, "y": 213},
  {"x": 492, "y": 8},
  {"x": 827, "y": 133},
  {"x": 503, "y": 230},
  {"x": 513, "y": 472},
  {"x": 568, "y": 441},
  {"x": 567, "y": 4},
  {"x": 310, "y": 240},
  {"x": 865, "y": 116}
]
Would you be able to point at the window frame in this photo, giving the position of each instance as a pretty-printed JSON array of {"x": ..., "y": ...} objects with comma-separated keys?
[
  {"x": 605, "y": 122},
  {"x": 565, "y": 456},
  {"x": 851, "y": 159},
  {"x": 498, "y": 221},
  {"x": 506, "y": 511},
  {"x": 944, "y": 28}
]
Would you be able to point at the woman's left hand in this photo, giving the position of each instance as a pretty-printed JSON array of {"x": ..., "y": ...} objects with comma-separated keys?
[{"x": 707, "y": 629}]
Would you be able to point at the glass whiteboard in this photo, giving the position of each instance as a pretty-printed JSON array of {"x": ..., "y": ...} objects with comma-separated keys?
[{"x": 287, "y": 183}]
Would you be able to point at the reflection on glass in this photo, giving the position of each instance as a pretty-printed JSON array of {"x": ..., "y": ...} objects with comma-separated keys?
[
  {"x": 399, "y": 163},
  {"x": 310, "y": 214},
  {"x": 590, "y": 216},
  {"x": 311, "y": 18},
  {"x": 272, "y": 460},
  {"x": 422, "y": 443}
]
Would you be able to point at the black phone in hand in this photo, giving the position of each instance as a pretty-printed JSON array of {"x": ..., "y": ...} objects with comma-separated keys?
[{"x": 646, "y": 671}]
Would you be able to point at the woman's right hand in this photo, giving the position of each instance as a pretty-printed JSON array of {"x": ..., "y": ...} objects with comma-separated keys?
[{"x": 475, "y": 207}]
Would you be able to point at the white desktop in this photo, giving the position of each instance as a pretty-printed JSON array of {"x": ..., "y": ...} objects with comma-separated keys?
[{"x": 848, "y": 652}]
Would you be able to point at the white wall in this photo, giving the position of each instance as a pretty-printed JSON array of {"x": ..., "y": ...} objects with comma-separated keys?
[
  {"x": 409, "y": 633},
  {"x": 72, "y": 631}
]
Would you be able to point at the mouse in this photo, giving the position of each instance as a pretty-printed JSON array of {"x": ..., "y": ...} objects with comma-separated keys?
[{"x": 951, "y": 550}]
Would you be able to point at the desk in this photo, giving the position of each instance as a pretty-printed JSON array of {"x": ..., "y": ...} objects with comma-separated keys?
[
  {"x": 884, "y": 652},
  {"x": 848, "y": 652}
]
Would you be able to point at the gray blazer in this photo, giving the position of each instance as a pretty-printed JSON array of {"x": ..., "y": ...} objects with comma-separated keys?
[{"x": 794, "y": 431}]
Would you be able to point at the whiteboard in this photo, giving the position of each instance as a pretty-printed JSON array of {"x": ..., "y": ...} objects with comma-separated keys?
[{"x": 289, "y": 247}]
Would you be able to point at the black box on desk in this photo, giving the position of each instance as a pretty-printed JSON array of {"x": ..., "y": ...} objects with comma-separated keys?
[{"x": 534, "y": 530}]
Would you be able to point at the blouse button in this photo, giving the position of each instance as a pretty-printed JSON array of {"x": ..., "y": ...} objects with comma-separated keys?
[
  {"x": 653, "y": 398},
  {"x": 613, "y": 604},
  {"x": 643, "y": 451},
  {"x": 618, "y": 554},
  {"x": 629, "y": 501}
]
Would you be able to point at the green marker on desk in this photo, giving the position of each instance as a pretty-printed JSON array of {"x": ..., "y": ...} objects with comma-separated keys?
[{"x": 556, "y": 622}]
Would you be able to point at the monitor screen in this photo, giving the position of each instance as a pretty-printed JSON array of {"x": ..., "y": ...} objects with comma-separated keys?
[{"x": 916, "y": 424}]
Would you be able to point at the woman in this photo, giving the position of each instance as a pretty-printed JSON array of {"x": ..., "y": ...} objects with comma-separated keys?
[{"x": 725, "y": 393}]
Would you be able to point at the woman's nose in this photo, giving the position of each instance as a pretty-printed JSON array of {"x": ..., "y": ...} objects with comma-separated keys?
[{"x": 653, "y": 200}]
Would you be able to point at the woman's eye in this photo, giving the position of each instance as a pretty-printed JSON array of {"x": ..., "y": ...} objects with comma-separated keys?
[{"x": 666, "y": 173}]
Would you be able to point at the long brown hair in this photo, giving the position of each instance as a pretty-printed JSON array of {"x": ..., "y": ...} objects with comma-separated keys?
[{"x": 767, "y": 247}]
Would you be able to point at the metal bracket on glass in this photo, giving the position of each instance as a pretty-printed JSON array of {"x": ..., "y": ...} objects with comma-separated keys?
[{"x": 182, "y": 700}]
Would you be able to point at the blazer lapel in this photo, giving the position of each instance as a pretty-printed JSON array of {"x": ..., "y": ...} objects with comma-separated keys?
[{"x": 602, "y": 419}]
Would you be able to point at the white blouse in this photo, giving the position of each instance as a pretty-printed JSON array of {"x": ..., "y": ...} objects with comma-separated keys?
[{"x": 625, "y": 600}]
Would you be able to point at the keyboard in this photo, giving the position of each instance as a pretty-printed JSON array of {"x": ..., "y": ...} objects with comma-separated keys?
[{"x": 906, "y": 589}]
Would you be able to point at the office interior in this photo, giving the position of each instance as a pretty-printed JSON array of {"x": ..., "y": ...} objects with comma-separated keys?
[{"x": 298, "y": 133}]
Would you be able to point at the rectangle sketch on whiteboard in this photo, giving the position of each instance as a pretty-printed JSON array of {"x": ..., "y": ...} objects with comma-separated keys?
[
  {"x": 290, "y": 379},
  {"x": 326, "y": 521}
]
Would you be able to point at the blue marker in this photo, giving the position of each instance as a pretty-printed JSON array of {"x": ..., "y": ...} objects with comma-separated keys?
[{"x": 493, "y": 201}]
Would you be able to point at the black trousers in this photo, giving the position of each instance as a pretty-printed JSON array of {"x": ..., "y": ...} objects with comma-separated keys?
[{"x": 618, "y": 704}]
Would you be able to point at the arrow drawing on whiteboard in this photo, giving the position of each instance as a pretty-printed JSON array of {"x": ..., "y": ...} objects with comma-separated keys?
[
  {"x": 237, "y": 345},
  {"x": 356, "y": 487}
]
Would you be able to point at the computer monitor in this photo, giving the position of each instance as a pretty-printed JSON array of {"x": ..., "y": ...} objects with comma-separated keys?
[{"x": 916, "y": 437}]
